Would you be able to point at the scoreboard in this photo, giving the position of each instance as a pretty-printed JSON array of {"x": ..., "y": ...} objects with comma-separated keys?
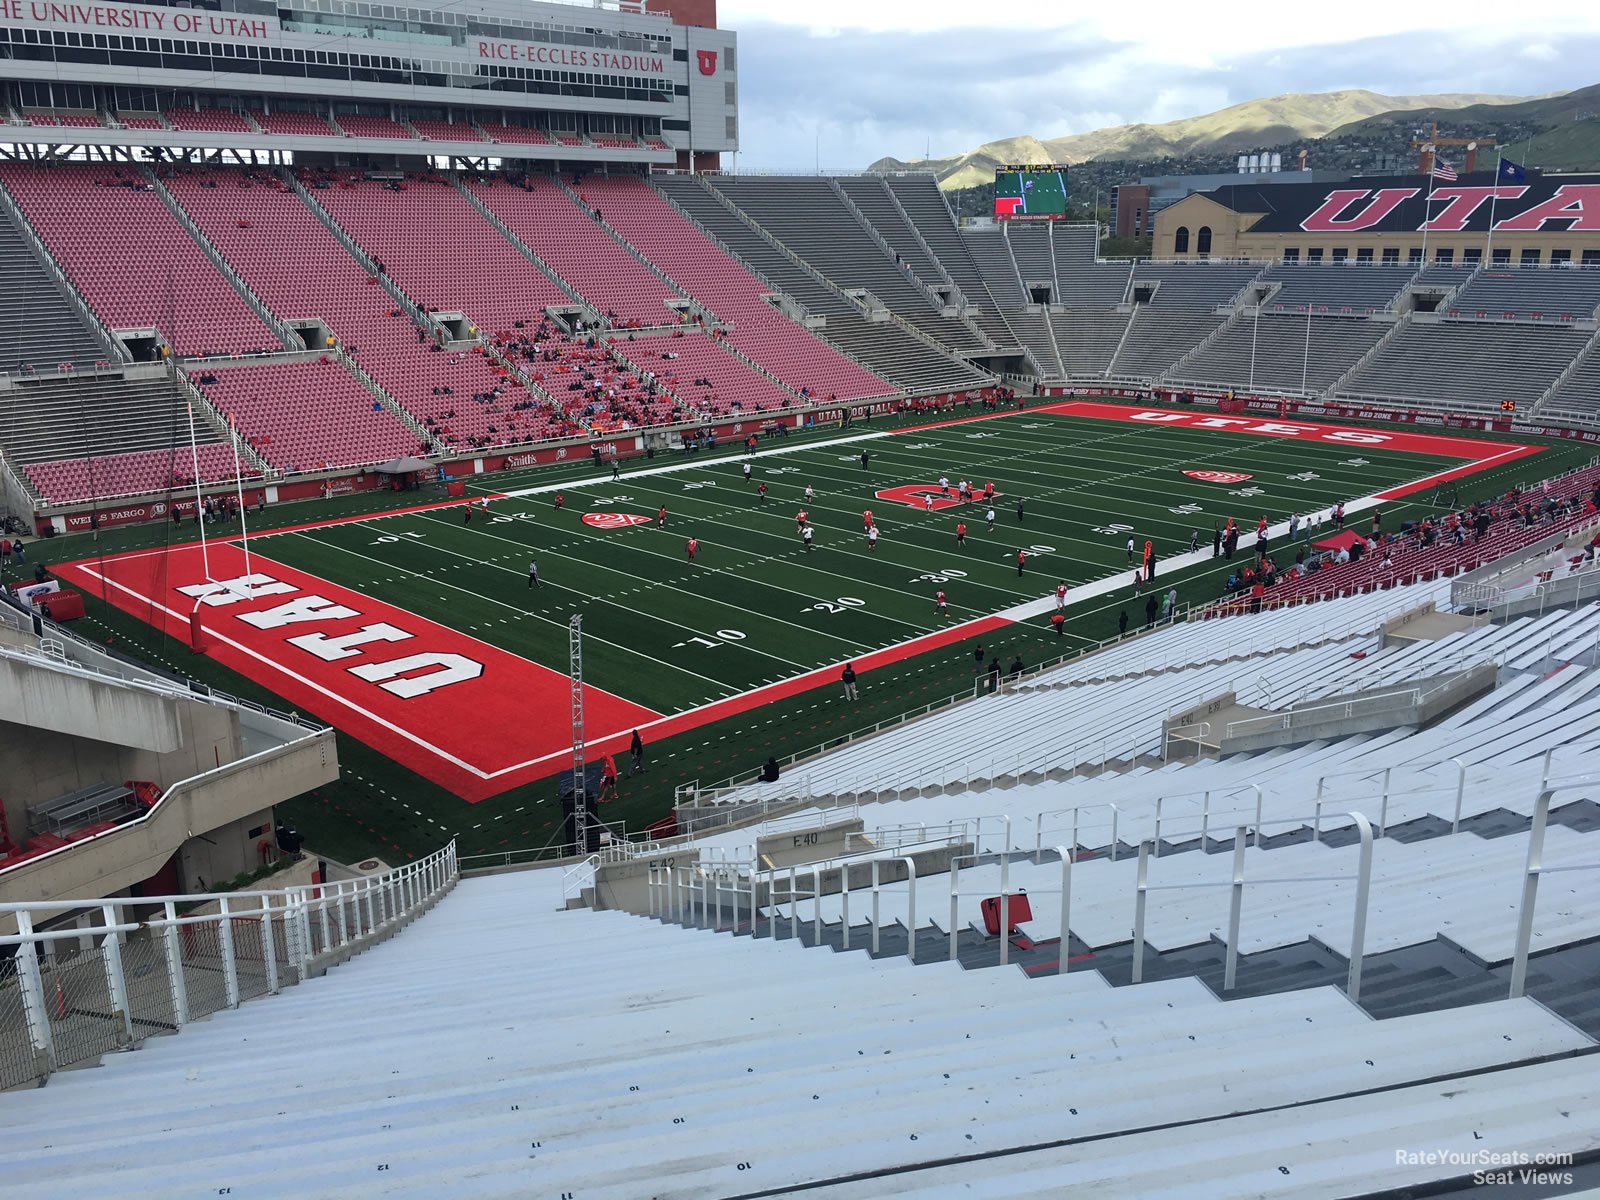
[{"x": 1030, "y": 193}]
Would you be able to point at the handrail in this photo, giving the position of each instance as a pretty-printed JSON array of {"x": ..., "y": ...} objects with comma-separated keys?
[
  {"x": 313, "y": 921},
  {"x": 1535, "y": 870},
  {"x": 1236, "y": 885}
]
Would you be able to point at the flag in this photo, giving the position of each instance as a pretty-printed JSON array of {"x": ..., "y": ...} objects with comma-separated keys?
[
  {"x": 1510, "y": 172},
  {"x": 1443, "y": 170}
]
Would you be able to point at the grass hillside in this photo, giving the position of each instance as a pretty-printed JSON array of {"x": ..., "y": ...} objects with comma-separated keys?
[{"x": 1263, "y": 122}]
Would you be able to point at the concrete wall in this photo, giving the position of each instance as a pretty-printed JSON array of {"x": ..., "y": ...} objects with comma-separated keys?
[
  {"x": 1369, "y": 713},
  {"x": 225, "y": 851},
  {"x": 234, "y": 798},
  {"x": 39, "y": 763}
]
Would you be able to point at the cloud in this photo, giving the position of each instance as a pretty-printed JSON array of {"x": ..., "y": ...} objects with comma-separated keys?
[{"x": 847, "y": 96}]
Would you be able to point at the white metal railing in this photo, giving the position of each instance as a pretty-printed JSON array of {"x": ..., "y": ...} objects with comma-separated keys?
[
  {"x": 1536, "y": 870},
  {"x": 1236, "y": 885},
  {"x": 94, "y": 980}
]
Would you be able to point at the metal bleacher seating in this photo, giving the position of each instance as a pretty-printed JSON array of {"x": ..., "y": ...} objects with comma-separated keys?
[
  {"x": 1034, "y": 329},
  {"x": 927, "y": 210},
  {"x": 49, "y": 421},
  {"x": 689, "y": 1045},
  {"x": 1547, "y": 293},
  {"x": 1084, "y": 279},
  {"x": 640, "y": 215},
  {"x": 883, "y": 348},
  {"x": 807, "y": 216},
  {"x": 1284, "y": 348},
  {"x": 1351, "y": 288},
  {"x": 39, "y": 326},
  {"x": 1159, "y": 337},
  {"x": 993, "y": 260},
  {"x": 1469, "y": 364},
  {"x": 1088, "y": 339},
  {"x": 1193, "y": 285},
  {"x": 1030, "y": 247}
]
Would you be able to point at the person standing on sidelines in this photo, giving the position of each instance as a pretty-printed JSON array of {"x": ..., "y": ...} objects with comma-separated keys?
[
  {"x": 872, "y": 538},
  {"x": 1061, "y": 593},
  {"x": 989, "y": 516},
  {"x": 848, "y": 678},
  {"x": 533, "y": 575},
  {"x": 1194, "y": 540},
  {"x": 1058, "y": 622},
  {"x": 636, "y": 750},
  {"x": 961, "y": 534},
  {"x": 692, "y": 546},
  {"x": 1138, "y": 581},
  {"x": 977, "y": 659}
]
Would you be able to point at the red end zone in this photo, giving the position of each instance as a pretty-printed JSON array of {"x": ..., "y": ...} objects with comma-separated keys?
[
  {"x": 1484, "y": 454},
  {"x": 473, "y": 718},
  {"x": 463, "y": 713}
]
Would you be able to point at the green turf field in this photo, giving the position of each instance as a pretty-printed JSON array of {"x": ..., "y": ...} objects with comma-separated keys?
[
  {"x": 1088, "y": 486},
  {"x": 757, "y": 606}
]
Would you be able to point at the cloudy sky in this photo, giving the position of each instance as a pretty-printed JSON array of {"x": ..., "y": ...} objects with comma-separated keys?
[{"x": 853, "y": 80}]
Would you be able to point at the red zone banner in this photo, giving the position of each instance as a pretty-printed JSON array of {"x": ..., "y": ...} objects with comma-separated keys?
[
  {"x": 1481, "y": 453},
  {"x": 479, "y": 720}
]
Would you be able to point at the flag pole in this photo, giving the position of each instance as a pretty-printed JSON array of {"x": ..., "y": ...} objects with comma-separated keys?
[{"x": 1427, "y": 206}]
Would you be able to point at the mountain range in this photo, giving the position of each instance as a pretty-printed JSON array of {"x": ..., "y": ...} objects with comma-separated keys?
[{"x": 1271, "y": 122}]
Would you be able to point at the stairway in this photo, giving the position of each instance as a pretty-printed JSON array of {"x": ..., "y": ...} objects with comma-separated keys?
[{"x": 1423, "y": 977}]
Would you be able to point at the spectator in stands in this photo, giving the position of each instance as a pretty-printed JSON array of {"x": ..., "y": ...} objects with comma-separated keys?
[
  {"x": 1122, "y": 623},
  {"x": 1016, "y": 668},
  {"x": 1151, "y": 607},
  {"x": 1169, "y": 607},
  {"x": 769, "y": 771}
]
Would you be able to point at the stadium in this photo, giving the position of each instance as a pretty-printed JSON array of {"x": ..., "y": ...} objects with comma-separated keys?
[{"x": 616, "y": 582}]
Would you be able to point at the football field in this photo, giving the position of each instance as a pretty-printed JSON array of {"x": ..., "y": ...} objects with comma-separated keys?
[{"x": 421, "y": 633}]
